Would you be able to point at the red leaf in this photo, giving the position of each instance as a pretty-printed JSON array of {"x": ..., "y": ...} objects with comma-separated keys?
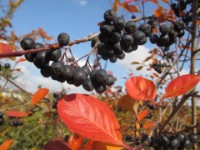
[
  {"x": 56, "y": 145},
  {"x": 180, "y": 85},
  {"x": 6, "y": 144},
  {"x": 39, "y": 95},
  {"x": 149, "y": 125},
  {"x": 21, "y": 60},
  {"x": 130, "y": 8},
  {"x": 75, "y": 142},
  {"x": 142, "y": 114},
  {"x": 5, "y": 48},
  {"x": 90, "y": 118},
  {"x": 141, "y": 89},
  {"x": 13, "y": 113}
]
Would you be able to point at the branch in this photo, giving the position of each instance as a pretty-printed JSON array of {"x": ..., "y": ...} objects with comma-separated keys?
[{"x": 47, "y": 47}]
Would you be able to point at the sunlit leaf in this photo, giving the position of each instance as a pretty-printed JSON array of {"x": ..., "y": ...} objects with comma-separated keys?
[
  {"x": 13, "y": 113},
  {"x": 56, "y": 145},
  {"x": 180, "y": 85},
  {"x": 5, "y": 48},
  {"x": 141, "y": 89},
  {"x": 39, "y": 95},
  {"x": 89, "y": 117},
  {"x": 6, "y": 144},
  {"x": 142, "y": 114},
  {"x": 130, "y": 8}
]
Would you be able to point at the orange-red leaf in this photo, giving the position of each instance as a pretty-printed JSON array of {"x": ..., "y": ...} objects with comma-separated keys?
[
  {"x": 142, "y": 114},
  {"x": 21, "y": 60},
  {"x": 158, "y": 12},
  {"x": 5, "y": 48},
  {"x": 6, "y": 144},
  {"x": 13, "y": 113},
  {"x": 141, "y": 89},
  {"x": 39, "y": 95},
  {"x": 90, "y": 118},
  {"x": 75, "y": 142},
  {"x": 149, "y": 125},
  {"x": 130, "y": 8},
  {"x": 180, "y": 85},
  {"x": 165, "y": 1}
]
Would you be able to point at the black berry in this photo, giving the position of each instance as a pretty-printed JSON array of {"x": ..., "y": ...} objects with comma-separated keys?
[
  {"x": 63, "y": 39},
  {"x": 27, "y": 43}
]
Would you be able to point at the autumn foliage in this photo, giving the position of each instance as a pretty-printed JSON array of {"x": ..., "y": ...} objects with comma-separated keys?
[{"x": 123, "y": 117}]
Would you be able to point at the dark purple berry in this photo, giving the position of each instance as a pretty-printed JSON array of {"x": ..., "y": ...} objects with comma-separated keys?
[
  {"x": 46, "y": 71},
  {"x": 109, "y": 15},
  {"x": 87, "y": 85},
  {"x": 27, "y": 43},
  {"x": 7, "y": 65},
  {"x": 153, "y": 38},
  {"x": 55, "y": 54},
  {"x": 110, "y": 80},
  {"x": 163, "y": 140},
  {"x": 164, "y": 29},
  {"x": 57, "y": 68},
  {"x": 63, "y": 39},
  {"x": 146, "y": 28},
  {"x": 79, "y": 76},
  {"x": 174, "y": 142},
  {"x": 193, "y": 137},
  {"x": 113, "y": 59},
  {"x": 115, "y": 37},
  {"x": 106, "y": 29},
  {"x": 122, "y": 56},
  {"x": 139, "y": 37},
  {"x": 130, "y": 27},
  {"x": 126, "y": 41},
  {"x": 119, "y": 23},
  {"x": 100, "y": 88}
]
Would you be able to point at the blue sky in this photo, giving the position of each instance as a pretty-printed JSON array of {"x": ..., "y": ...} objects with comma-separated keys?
[{"x": 78, "y": 18}]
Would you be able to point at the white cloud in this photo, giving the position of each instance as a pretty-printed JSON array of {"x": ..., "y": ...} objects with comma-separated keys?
[
  {"x": 139, "y": 55},
  {"x": 81, "y": 2}
]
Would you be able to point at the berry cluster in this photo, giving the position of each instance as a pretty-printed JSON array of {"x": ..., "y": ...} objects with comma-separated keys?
[
  {"x": 1, "y": 118},
  {"x": 183, "y": 8},
  {"x": 168, "y": 34},
  {"x": 177, "y": 141},
  {"x": 51, "y": 66},
  {"x": 16, "y": 122},
  {"x": 118, "y": 37}
]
